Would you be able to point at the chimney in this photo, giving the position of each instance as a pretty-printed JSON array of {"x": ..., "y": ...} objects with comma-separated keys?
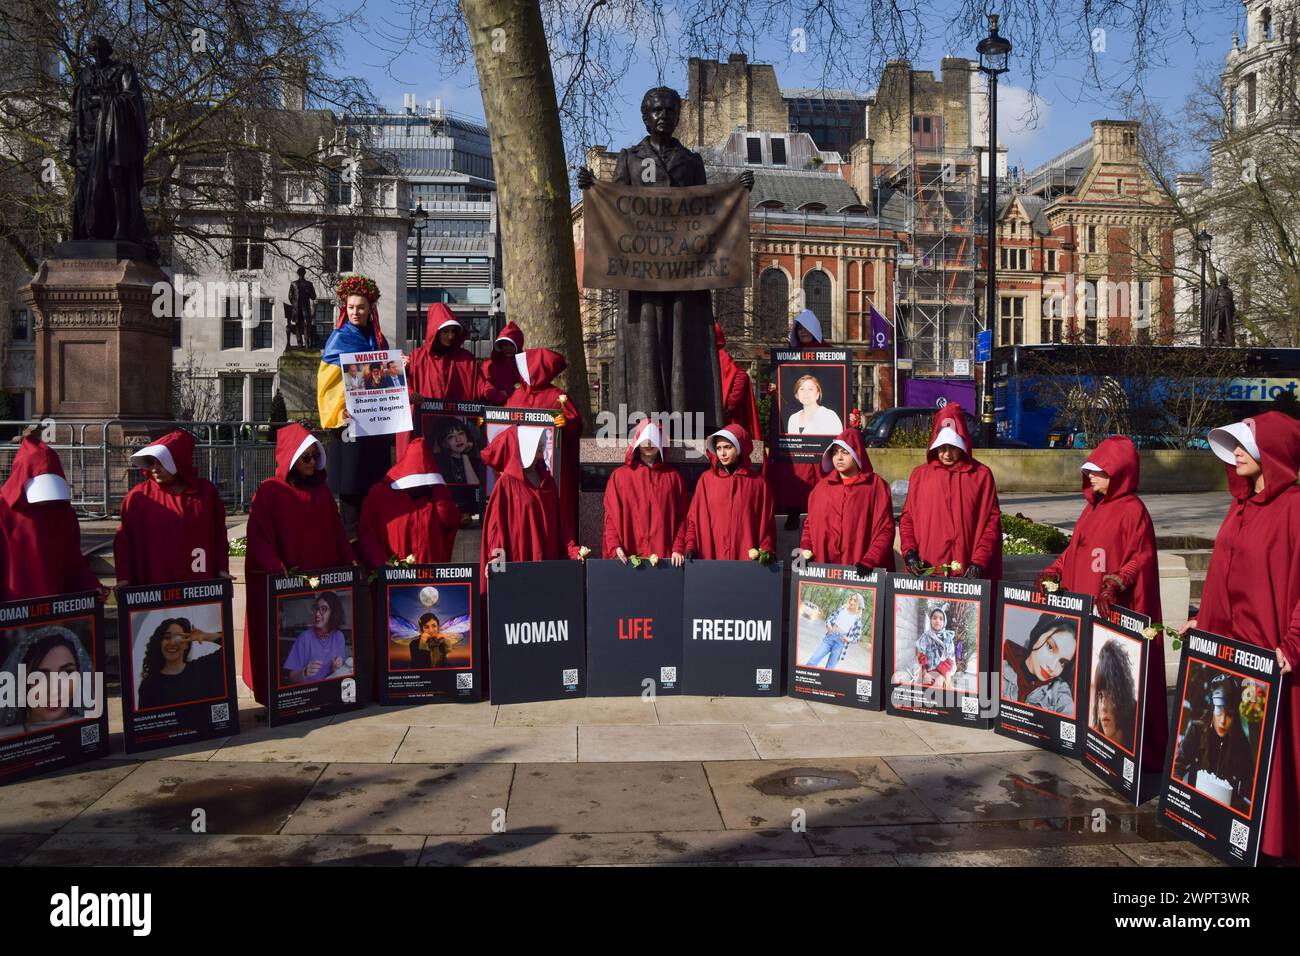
[
  {"x": 437, "y": 106},
  {"x": 293, "y": 83}
]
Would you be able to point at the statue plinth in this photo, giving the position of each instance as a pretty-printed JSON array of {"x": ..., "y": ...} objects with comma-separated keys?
[
  {"x": 298, "y": 369},
  {"x": 101, "y": 352}
]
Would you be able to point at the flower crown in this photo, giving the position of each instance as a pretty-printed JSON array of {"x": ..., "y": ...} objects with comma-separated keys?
[{"x": 358, "y": 285}]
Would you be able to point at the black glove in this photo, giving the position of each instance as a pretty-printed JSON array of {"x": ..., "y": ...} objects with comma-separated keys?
[
  {"x": 973, "y": 571},
  {"x": 862, "y": 569},
  {"x": 912, "y": 561}
]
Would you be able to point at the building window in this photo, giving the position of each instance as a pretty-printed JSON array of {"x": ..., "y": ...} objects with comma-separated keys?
[
  {"x": 247, "y": 251},
  {"x": 337, "y": 256},
  {"x": 339, "y": 189},
  {"x": 323, "y": 322},
  {"x": 1250, "y": 94},
  {"x": 1051, "y": 261},
  {"x": 817, "y": 294},
  {"x": 774, "y": 302},
  {"x": 1142, "y": 315},
  {"x": 778, "y": 151},
  {"x": 1011, "y": 311},
  {"x": 1266, "y": 24},
  {"x": 263, "y": 392},
  {"x": 608, "y": 310},
  {"x": 232, "y": 325},
  {"x": 1092, "y": 240},
  {"x": 232, "y": 398},
  {"x": 1052, "y": 325},
  {"x": 264, "y": 331},
  {"x": 22, "y": 327},
  {"x": 1119, "y": 187},
  {"x": 754, "y": 150}
]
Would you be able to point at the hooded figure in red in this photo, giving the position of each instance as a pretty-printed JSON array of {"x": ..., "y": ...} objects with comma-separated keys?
[
  {"x": 499, "y": 368},
  {"x": 731, "y": 512},
  {"x": 1252, "y": 589},
  {"x": 792, "y": 482},
  {"x": 1112, "y": 556},
  {"x": 738, "y": 406},
  {"x": 850, "y": 512},
  {"x": 173, "y": 523},
  {"x": 42, "y": 540},
  {"x": 538, "y": 369},
  {"x": 952, "y": 511},
  {"x": 293, "y": 525},
  {"x": 411, "y": 512},
  {"x": 523, "y": 518},
  {"x": 645, "y": 502},
  {"x": 443, "y": 368}
]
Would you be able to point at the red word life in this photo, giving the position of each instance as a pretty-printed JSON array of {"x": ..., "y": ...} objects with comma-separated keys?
[{"x": 635, "y": 629}]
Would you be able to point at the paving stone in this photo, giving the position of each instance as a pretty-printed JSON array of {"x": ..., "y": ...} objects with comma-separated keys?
[
  {"x": 188, "y": 849},
  {"x": 674, "y": 848},
  {"x": 732, "y": 710},
  {"x": 1169, "y": 854},
  {"x": 481, "y": 714},
  {"x": 950, "y": 739},
  {"x": 489, "y": 745},
  {"x": 586, "y": 712},
  {"x": 16, "y": 847},
  {"x": 834, "y": 714},
  {"x": 1096, "y": 856},
  {"x": 675, "y": 742},
  {"x": 44, "y": 804},
  {"x": 317, "y": 741},
  {"x": 835, "y": 739}
]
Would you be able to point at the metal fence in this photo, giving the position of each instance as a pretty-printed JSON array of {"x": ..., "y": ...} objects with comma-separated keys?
[{"x": 96, "y": 457}]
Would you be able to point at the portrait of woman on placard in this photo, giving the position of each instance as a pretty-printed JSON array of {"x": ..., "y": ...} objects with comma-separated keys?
[
  {"x": 320, "y": 651},
  {"x": 813, "y": 418},
  {"x": 429, "y": 648},
  {"x": 1040, "y": 673},
  {"x": 172, "y": 674},
  {"x": 52, "y": 651},
  {"x": 1113, "y": 712}
]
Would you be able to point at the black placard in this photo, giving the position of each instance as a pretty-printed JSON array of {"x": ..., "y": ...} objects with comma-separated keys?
[
  {"x": 1113, "y": 711},
  {"x": 537, "y": 632},
  {"x": 64, "y": 635},
  {"x": 455, "y": 434},
  {"x": 805, "y": 437},
  {"x": 836, "y": 622},
  {"x": 428, "y": 636},
  {"x": 1041, "y": 677},
  {"x": 177, "y": 655},
  {"x": 732, "y": 643},
  {"x": 339, "y": 680},
  {"x": 1217, "y": 767},
  {"x": 940, "y": 674},
  {"x": 634, "y": 628}
]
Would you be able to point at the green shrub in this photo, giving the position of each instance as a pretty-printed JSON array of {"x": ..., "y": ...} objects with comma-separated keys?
[
  {"x": 911, "y": 436},
  {"x": 239, "y": 546},
  {"x": 1021, "y": 535}
]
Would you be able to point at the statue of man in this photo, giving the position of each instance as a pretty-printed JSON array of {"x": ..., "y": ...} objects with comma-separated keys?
[
  {"x": 106, "y": 148},
  {"x": 301, "y": 296},
  {"x": 1222, "y": 314},
  {"x": 665, "y": 353}
]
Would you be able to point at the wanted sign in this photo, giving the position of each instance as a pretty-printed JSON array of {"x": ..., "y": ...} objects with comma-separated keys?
[
  {"x": 1113, "y": 708},
  {"x": 731, "y": 629},
  {"x": 1220, "y": 755},
  {"x": 836, "y": 621},
  {"x": 428, "y": 645},
  {"x": 374, "y": 391},
  {"x": 177, "y": 656},
  {"x": 537, "y": 645},
  {"x": 634, "y": 628}
]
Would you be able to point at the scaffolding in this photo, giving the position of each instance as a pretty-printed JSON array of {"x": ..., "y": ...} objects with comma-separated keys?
[{"x": 938, "y": 191}]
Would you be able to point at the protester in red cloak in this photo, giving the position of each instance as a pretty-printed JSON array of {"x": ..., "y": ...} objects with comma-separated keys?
[
  {"x": 951, "y": 513},
  {"x": 792, "y": 482},
  {"x": 42, "y": 541},
  {"x": 499, "y": 368},
  {"x": 442, "y": 368},
  {"x": 173, "y": 523},
  {"x": 850, "y": 512},
  {"x": 410, "y": 513},
  {"x": 738, "y": 406},
  {"x": 538, "y": 369},
  {"x": 1252, "y": 589},
  {"x": 731, "y": 512},
  {"x": 1112, "y": 557},
  {"x": 645, "y": 502},
  {"x": 293, "y": 526},
  {"x": 523, "y": 519}
]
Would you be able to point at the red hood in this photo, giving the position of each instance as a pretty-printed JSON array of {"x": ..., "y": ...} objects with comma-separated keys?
[
  {"x": 950, "y": 416},
  {"x": 1117, "y": 457},
  {"x": 416, "y": 467},
  {"x": 647, "y": 429},
  {"x": 1278, "y": 438},
  {"x": 180, "y": 446},
  {"x": 718, "y": 337},
  {"x": 741, "y": 441},
  {"x": 290, "y": 442},
  {"x": 34, "y": 458},
  {"x": 852, "y": 439},
  {"x": 511, "y": 333},
  {"x": 538, "y": 367},
  {"x": 503, "y": 453},
  {"x": 440, "y": 315}
]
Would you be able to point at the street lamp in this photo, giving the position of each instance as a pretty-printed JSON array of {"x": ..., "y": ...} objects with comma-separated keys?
[
  {"x": 419, "y": 219},
  {"x": 994, "y": 51},
  {"x": 1203, "y": 241}
]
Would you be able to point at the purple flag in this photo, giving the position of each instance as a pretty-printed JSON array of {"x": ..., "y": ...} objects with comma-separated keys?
[{"x": 879, "y": 330}]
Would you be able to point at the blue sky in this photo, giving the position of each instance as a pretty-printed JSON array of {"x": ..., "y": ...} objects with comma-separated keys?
[{"x": 1066, "y": 103}]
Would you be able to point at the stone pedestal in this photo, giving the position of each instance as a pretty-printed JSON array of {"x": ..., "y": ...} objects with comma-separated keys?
[
  {"x": 101, "y": 352},
  {"x": 298, "y": 369}
]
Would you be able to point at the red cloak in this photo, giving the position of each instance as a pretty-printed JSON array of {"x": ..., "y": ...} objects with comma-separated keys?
[
  {"x": 163, "y": 532},
  {"x": 523, "y": 520},
  {"x": 731, "y": 512},
  {"x": 538, "y": 369},
  {"x": 499, "y": 368},
  {"x": 792, "y": 482},
  {"x": 850, "y": 521},
  {"x": 1114, "y": 535},
  {"x": 411, "y": 512},
  {"x": 952, "y": 514},
  {"x": 645, "y": 506},
  {"x": 1252, "y": 593},
  {"x": 451, "y": 374},
  {"x": 41, "y": 537},
  {"x": 738, "y": 405},
  {"x": 290, "y": 525}
]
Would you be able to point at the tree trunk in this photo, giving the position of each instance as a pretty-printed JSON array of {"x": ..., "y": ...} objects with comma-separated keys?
[{"x": 523, "y": 118}]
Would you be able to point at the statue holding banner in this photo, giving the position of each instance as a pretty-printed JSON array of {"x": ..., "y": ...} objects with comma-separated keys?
[{"x": 667, "y": 253}]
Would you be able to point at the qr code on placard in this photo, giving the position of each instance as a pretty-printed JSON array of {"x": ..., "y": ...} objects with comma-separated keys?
[
  {"x": 1128, "y": 770},
  {"x": 571, "y": 677},
  {"x": 89, "y": 735},
  {"x": 970, "y": 706},
  {"x": 1239, "y": 836},
  {"x": 464, "y": 681},
  {"x": 864, "y": 688},
  {"x": 763, "y": 675},
  {"x": 220, "y": 713},
  {"x": 1067, "y": 732},
  {"x": 668, "y": 675}
]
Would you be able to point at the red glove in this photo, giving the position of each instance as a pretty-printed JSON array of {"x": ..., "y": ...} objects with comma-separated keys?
[
  {"x": 1111, "y": 586},
  {"x": 923, "y": 661},
  {"x": 1045, "y": 576}
]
